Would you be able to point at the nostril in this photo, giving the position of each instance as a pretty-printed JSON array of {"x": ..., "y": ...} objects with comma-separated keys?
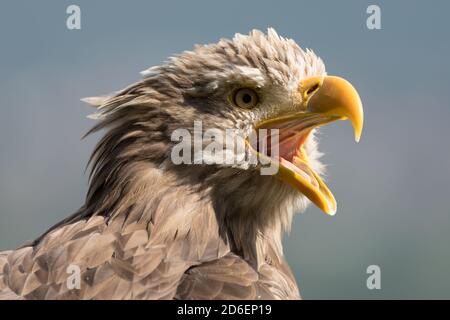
[
  {"x": 308, "y": 87},
  {"x": 311, "y": 90}
]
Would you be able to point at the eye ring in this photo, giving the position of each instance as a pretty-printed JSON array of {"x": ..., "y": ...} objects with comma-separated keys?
[{"x": 245, "y": 98}]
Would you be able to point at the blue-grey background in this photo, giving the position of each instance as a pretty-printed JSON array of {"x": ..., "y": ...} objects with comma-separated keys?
[{"x": 392, "y": 188}]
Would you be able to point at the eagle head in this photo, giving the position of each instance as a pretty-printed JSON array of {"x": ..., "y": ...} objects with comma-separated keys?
[{"x": 256, "y": 83}]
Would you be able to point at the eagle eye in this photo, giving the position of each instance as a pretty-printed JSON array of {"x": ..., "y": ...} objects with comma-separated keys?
[{"x": 245, "y": 98}]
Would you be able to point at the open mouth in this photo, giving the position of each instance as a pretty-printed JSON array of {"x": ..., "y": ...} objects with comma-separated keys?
[
  {"x": 336, "y": 99},
  {"x": 294, "y": 166}
]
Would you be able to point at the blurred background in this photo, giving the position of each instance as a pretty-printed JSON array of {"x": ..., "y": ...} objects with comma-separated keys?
[{"x": 392, "y": 188}]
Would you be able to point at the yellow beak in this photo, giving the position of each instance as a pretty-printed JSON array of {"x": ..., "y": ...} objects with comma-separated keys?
[
  {"x": 338, "y": 98},
  {"x": 325, "y": 100}
]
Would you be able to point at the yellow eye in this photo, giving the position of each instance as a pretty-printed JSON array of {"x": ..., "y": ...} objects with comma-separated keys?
[{"x": 245, "y": 98}]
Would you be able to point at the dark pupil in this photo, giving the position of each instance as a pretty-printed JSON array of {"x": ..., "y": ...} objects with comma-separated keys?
[{"x": 247, "y": 98}]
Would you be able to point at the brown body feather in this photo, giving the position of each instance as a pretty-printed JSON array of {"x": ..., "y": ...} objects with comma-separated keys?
[{"x": 177, "y": 252}]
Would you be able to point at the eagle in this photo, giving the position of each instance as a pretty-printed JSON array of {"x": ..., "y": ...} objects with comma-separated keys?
[{"x": 155, "y": 228}]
